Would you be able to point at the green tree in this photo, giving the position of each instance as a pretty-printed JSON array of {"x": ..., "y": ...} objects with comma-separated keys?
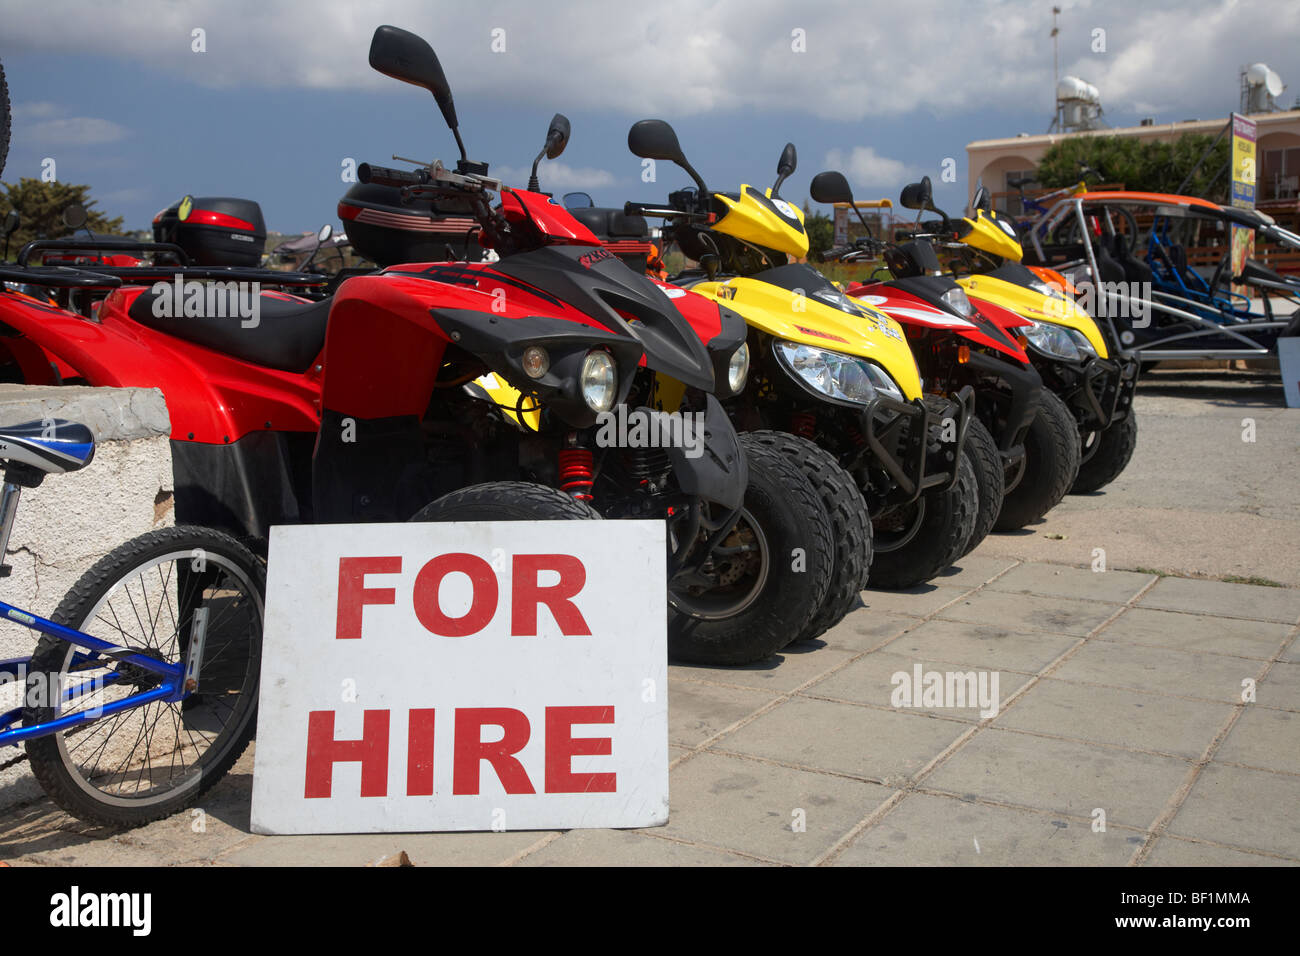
[
  {"x": 821, "y": 231},
  {"x": 40, "y": 207},
  {"x": 1142, "y": 165}
]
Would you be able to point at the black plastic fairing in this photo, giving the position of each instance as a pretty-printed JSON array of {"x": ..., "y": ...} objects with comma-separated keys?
[{"x": 598, "y": 283}]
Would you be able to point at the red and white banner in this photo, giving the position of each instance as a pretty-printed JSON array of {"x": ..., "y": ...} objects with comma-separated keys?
[{"x": 464, "y": 676}]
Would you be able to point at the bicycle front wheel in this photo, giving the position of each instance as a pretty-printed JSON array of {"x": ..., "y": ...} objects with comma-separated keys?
[{"x": 155, "y": 595}]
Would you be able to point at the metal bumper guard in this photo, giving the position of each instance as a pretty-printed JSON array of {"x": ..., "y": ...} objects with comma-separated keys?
[{"x": 926, "y": 457}]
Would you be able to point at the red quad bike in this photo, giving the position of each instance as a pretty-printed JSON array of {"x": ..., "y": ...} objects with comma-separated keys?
[
  {"x": 355, "y": 408},
  {"x": 1024, "y": 465}
]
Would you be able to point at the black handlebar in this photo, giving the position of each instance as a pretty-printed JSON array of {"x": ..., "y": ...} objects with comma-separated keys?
[
  {"x": 383, "y": 176},
  {"x": 839, "y": 252}
]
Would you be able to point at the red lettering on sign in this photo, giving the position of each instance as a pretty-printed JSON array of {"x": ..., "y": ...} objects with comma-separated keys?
[
  {"x": 471, "y": 751},
  {"x": 323, "y": 751},
  {"x": 419, "y": 753},
  {"x": 527, "y": 594},
  {"x": 482, "y": 607},
  {"x": 562, "y": 746},
  {"x": 354, "y": 595}
]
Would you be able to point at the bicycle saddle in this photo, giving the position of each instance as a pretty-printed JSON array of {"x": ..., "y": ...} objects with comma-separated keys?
[{"x": 53, "y": 446}]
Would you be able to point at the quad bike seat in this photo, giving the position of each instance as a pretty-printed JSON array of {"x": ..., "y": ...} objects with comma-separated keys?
[
  {"x": 288, "y": 335},
  {"x": 52, "y": 446}
]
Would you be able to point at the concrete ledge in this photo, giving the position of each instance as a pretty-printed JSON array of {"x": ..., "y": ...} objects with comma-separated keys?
[
  {"x": 113, "y": 414},
  {"x": 71, "y": 521}
]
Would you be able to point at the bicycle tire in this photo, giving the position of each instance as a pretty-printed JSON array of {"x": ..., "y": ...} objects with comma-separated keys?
[{"x": 211, "y": 570}]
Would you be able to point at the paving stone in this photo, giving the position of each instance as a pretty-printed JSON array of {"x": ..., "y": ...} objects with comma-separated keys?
[
  {"x": 1122, "y": 717},
  {"x": 864, "y": 629},
  {"x": 359, "y": 849},
  {"x": 1159, "y": 670},
  {"x": 743, "y": 805},
  {"x": 698, "y": 711},
  {"x": 1058, "y": 580},
  {"x": 1062, "y": 775},
  {"x": 1247, "y": 808},
  {"x": 1257, "y": 602},
  {"x": 1171, "y": 851},
  {"x": 982, "y": 645},
  {"x": 1055, "y": 614},
  {"x": 928, "y": 830},
  {"x": 871, "y": 680},
  {"x": 779, "y": 675},
  {"x": 1196, "y": 632},
  {"x": 1292, "y": 653},
  {"x": 881, "y": 745},
  {"x": 1269, "y": 739},
  {"x": 627, "y": 848},
  {"x": 974, "y": 570},
  {"x": 914, "y": 602},
  {"x": 1280, "y": 688}
]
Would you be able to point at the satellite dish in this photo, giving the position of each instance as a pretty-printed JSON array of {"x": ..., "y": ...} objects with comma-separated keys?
[
  {"x": 1257, "y": 74},
  {"x": 1273, "y": 83}
]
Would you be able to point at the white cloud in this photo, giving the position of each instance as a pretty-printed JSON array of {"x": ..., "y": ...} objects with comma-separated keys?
[
  {"x": 74, "y": 131},
  {"x": 555, "y": 175},
  {"x": 679, "y": 57},
  {"x": 868, "y": 169}
]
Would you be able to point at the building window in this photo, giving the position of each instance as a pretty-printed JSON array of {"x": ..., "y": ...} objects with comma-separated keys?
[{"x": 1279, "y": 173}]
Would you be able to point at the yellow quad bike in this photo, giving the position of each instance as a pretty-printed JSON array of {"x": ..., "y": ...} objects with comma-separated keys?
[
  {"x": 825, "y": 367},
  {"x": 1066, "y": 345}
]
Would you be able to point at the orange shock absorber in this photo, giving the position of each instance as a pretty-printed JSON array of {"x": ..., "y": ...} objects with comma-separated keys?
[
  {"x": 803, "y": 424},
  {"x": 576, "y": 472}
]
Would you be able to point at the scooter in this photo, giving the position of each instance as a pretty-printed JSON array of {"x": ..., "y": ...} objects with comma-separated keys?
[
  {"x": 355, "y": 408},
  {"x": 827, "y": 369},
  {"x": 1025, "y": 465}
]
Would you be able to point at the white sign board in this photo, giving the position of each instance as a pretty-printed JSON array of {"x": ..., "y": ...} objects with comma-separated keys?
[{"x": 463, "y": 676}]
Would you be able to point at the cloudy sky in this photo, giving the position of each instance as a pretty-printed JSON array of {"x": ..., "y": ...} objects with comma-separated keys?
[{"x": 281, "y": 95}]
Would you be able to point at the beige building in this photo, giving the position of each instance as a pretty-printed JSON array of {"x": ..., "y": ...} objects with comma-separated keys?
[{"x": 1277, "y": 149}]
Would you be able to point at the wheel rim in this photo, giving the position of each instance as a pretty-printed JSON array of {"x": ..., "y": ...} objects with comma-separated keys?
[
  {"x": 1088, "y": 447},
  {"x": 896, "y": 530},
  {"x": 740, "y": 575},
  {"x": 171, "y": 743}
]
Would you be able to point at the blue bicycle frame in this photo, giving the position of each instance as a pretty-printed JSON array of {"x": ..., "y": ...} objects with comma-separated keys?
[{"x": 177, "y": 680}]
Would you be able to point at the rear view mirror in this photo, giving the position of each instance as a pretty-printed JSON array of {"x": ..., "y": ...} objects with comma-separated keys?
[
  {"x": 655, "y": 139},
  {"x": 406, "y": 57},
  {"x": 11, "y": 224},
  {"x": 918, "y": 195},
  {"x": 830, "y": 187},
  {"x": 325, "y": 232},
  {"x": 75, "y": 216},
  {"x": 557, "y": 137},
  {"x": 785, "y": 166},
  {"x": 983, "y": 200},
  {"x": 789, "y": 159}
]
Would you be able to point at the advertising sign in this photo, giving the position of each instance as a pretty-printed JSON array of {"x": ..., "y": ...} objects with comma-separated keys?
[
  {"x": 463, "y": 676},
  {"x": 1243, "y": 189}
]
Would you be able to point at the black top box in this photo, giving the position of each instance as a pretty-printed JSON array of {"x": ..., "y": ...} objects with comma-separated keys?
[
  {"x": 389, "y": 232},
  {"x": 214, "y": 230}
]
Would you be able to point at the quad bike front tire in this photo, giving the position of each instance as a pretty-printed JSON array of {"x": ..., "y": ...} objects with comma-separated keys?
[
  {"x": 777, "y": 570},
  {"x": 506, "y": 501},
  {"x": 850, "y": 525},
  {"x": 4, "y": 119},
  {"x": 990, "y": 479},
  {"x": 1114, "y": 450},
  {"x": 1051, "y": 465},
  {"x": 935, "y": 530}
]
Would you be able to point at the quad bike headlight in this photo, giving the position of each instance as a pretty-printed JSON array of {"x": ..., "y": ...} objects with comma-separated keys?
[
  {"x": 738, "y": 368},
  {"x": 846, "y": 378},
  {"x": 955, "y": 298},
  {"x": 1058, "y": 341},
  {"x": 599, "y": 381}
]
